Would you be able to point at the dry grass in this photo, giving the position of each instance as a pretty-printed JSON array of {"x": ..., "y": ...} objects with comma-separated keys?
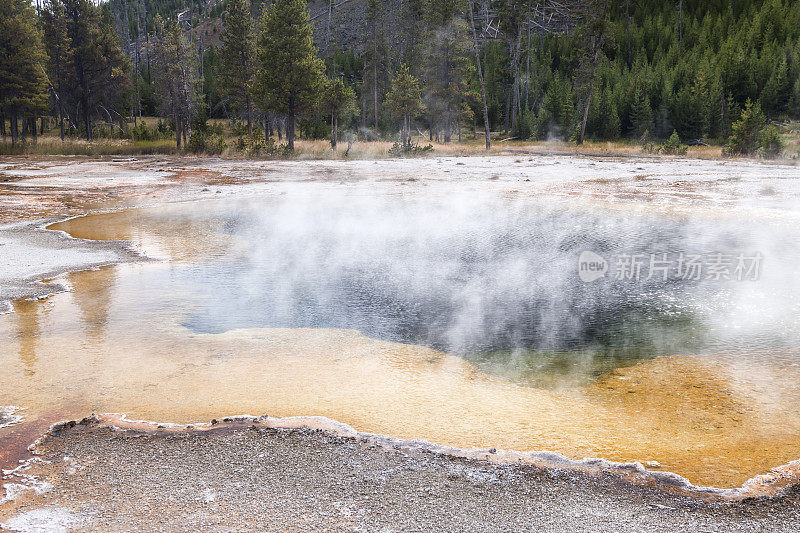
[
  {"x": 472, "y": 145},
  {"x": 321, "y": 149},
  {"x": 49, "y": 145}
]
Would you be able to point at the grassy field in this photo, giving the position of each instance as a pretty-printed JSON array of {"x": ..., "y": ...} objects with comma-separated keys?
[{"x": 51, "y": 144}]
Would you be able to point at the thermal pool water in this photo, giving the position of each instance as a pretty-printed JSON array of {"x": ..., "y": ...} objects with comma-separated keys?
[{"x": 456, "y": 318}]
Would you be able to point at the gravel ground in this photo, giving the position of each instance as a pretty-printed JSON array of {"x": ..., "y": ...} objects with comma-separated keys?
[{"x": 299, "y": 479}]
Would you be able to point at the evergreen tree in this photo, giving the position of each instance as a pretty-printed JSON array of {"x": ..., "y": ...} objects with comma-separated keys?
[
  {"x": 447, "y": 71},
  {"x": 59, "y": 65},
  {"x": 22, "y": 62},
  {"x": 405, "y": 100},
  {"x": 340, "y": 100},
  {"x": 176, "y": 76},
  {"x": 691, "y": 109},
  {"x": 211, "y": 91},
  {"x": 776, "y": 93},
  {"x": 609, "y": 126},
  {"x": 291, "y": 78},
  {"x": 594, "y": 34},
  {"x": 641, "y": 116},
  {"x": 557, "y": 109},
  {"x": 237, "y": 55},
  {"x": 481, "y": 80},
  {"x": 413, "y": 36},
  {"x": 746, "y": 137},
  {"x": 99, "y": 69}
]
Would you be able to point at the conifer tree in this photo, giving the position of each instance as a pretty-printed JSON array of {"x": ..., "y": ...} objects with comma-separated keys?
[
  {"x": 691, "y": 109},
  {"x": 340, "y": 99},
  {"x": 237, "y": 56},
  {"x": 746, "y": 136},
  {"x": 776, "y": 93},
  {"x": 59, "y": 64},
  {"x": 609, "y": 117},
  {"x": 641, "y": 116},
  {"x": 405, "y": 100},
  {"x": 481, "y": 81},
  {"x": 176, "y": 76},
  {"x": 22, "y": 63},
  {"x": 99, "y": 75},
  {"x": 291, "y": 77},
  {"x": 414, "y": 32},
  {"x": 447, "y": 70}
]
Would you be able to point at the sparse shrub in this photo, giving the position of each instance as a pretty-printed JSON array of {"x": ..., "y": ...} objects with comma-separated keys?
[
  {"x": 165, "y": 129},
  {"x": 673, "y": 145},
  {"x": 648, "y": 145},
  {"x": 141, "y": 132},
  {"x": 747, "y": 132},
  {"x": 771, "y": 142},
  {"x": 202, "y": 142},
  {"x": 258, "y": 144},
  {"x": 216, "y": 128},
  {"x": 239, "y": 128},
  {"x": 399, "y": 149}
]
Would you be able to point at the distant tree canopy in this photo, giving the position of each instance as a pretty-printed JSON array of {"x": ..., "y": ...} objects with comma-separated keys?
[
  {"x": 656, "y": 74},
  {"x": 22, "y": 61},
  {"x": 636, "y": 69},
  {"x": 88, "y": 73}
]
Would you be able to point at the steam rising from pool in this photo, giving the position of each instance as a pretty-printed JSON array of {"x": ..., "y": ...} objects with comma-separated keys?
[
  {"x": 250, "y": 312},
  {"x": 488, "y": 278}
]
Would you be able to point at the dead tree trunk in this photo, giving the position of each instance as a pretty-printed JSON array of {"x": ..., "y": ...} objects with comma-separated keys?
[
  {"x": 14, "y": 128},
  {"x": 177, "y": 129},
  {"x": 476, "y": 47},
  {"x": 375, "y": 92},
  {"x": 515, "y": 89},
  {"x": 328, "y": 29},
  {"x": 589, "y": 91},
  {"x": 249, "y": 104},
  {"x": 290, "y": 131}
]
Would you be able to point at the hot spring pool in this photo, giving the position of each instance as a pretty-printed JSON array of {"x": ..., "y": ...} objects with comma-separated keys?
[{"x": 457, "y": 318}]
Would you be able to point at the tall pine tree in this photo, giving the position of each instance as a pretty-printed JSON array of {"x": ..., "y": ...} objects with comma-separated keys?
[
  {"x": 291, "y": 78},
  {"x": 22, "y": 63},
  {"x": 176, "y": 76},
  {"x": 405, "y": 100},
  {"x": 60, "y": 55},
  {"x": 99, "y": 68},
  {"x": 237, "y": 56}
]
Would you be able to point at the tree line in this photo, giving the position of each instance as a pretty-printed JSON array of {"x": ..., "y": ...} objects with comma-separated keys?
[{"x": 568, "y": 70}]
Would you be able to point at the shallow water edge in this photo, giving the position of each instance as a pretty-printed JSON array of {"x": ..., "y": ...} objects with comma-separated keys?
[{"x": 770, "y": 484}]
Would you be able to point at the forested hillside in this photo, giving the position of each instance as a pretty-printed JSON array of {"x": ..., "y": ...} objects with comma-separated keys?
[{"x": 567, "y": 70}]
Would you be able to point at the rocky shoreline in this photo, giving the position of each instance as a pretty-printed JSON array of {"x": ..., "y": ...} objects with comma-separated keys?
[{"x": 239, "y": 476}]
